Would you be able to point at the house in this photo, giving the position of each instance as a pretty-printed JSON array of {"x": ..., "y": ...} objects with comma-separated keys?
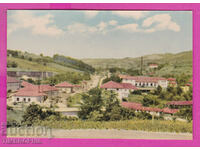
[
  {"x": 32, "y": 74},
  {"x": 187, "y": 86},
  {"x": 13, "y": 84},
  {"x": 153, "y": 111},
  {"x": 153, "y": 66},
  {"x": 34, "y": 93},
  {"x": 180, "y": 104},
  {"x": 145, "y": 83},
  {"x": 67, "y": 87},
  {"x": 122, "y": 89},
  {"x": 25, "y": 84},
  {"x": 172, "y": 82}
]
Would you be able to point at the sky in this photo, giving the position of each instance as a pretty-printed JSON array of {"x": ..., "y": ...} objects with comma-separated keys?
[{"x": 99, "y": 34}]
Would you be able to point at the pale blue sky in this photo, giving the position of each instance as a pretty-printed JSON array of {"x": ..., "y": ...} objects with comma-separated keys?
[{"x": 99, "y": 34}]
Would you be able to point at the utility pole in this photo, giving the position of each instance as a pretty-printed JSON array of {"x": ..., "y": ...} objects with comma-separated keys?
[{"x": 141, "y": 65}]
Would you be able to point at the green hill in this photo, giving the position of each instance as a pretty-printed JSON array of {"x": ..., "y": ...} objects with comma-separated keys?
[
  {"x": 168, "y": 63},
  {"x": 18, "y": 60}
]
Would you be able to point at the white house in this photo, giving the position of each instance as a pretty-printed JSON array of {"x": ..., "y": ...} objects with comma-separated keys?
[
  {"x": 67, "y": 87},
  {"x": 34, "y": 93},
  {"x": 28, "y": 96},
  {"x": 152, "y": 66},
  {"x": 122, "y": 89},
  {"x": 145, "y": 82}
]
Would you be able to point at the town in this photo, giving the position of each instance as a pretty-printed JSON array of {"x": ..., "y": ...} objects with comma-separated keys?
[{"x": 21, "y": 93}]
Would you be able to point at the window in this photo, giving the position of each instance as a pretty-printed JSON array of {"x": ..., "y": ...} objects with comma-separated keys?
[
  {"x": 18, "y": 99},
  {"x": 117, "y": 89},
  {"x": 29, "y": 99},
  {"x": 24, "y": 99}
]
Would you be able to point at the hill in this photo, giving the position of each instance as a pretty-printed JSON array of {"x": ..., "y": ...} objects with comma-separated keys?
[
  {"x": 18, "y": 60},
  {"x": 168, "y": 63}
]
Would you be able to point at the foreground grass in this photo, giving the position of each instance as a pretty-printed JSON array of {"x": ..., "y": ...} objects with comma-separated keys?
[{"x": 140, "y": 125}]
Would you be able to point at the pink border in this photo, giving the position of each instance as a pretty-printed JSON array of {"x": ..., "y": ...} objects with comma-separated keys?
[{"x": 94, "y": 6}]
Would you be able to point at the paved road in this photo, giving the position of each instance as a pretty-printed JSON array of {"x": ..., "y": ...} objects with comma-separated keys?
[{"x": 118, "y": 134}]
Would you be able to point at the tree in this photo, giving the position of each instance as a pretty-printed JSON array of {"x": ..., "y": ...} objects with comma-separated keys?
[
  {"x": 98, "y": 105},
  {"x": 150, "y": 100},
  {"x": 158, "y": 90},
  {"x": 30, "y": 59},
  {"x": 112, "y": 78},
  {"x": 30, "y": 80},
  {"x": 33, "y": 114},
  {"x": 91, "y": 101},
  {"x": 179, "y": 90},
  {"x": 186, "y": 113},
  {"x": 14, "y": 64}
]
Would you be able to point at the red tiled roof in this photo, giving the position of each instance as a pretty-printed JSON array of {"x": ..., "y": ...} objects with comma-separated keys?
[
  {"x": 130, "y": 104},
  {"x": 29, "y": 93},
  {"x": 171, "y": 79},
  {"x": 180, "y": 103},
  {"x": 26, "y": 84},
  {"x": 138, "y": 106},
  {"x": 153, "y": 64},
  {"x": 46, "y": 88},
  {"x": 188, "y": 84},
  {"x": 115, "y": 85},
  {"x": 142, "y": 78},
  {"x": 12, "y": 80},
  {"x": 64, "y": 84},
  {"x": 35, "y": 90},
  {"x": 75, "y": 85},
  {"x": 170, "y": 111}
]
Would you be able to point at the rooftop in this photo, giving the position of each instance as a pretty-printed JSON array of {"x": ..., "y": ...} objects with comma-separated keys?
[
  {"x": 115, "y": 85},
  {"x": 180, "y": 103},
  {"x": 142, "y": 78},
  {"x": 138, "y": 106},
  {"x": 66, "y": 85},
  {"x": 12, "y": 80}
]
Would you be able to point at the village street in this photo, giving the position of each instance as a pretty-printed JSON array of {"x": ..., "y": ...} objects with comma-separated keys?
[
  {"x": 95, "y": 81},
  {"x": 113, "y": 134},
  {"x": 118, "y": 134}
]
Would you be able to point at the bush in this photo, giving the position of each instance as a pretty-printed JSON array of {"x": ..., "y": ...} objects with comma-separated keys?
[
  {"x": 13, "y": 123},
  {"x": 137, "y": 92},
  {"x": 114, "y": 78},
  {"x": 149, "y": 100},
  {"x": 35, "y": 114}
]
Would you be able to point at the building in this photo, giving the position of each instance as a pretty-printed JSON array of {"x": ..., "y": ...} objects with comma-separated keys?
[
  {"x": 153, "y": 111},
  {"x": 34, "y": 93},
  {"x": 67, "y": 87},
  {"x": 145, "y": 83},
  {"x": 180, "y": 104},
  {"x": 31, "y": 74},
  {"x": 13, "y": 84},
  {"x": 172, "y": 82},
  {"x": 153, "y": 66},
  {"x": 122, "y": 89}
]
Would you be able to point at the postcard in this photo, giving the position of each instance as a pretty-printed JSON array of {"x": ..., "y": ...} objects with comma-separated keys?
[{"x": 99, "y": 75}]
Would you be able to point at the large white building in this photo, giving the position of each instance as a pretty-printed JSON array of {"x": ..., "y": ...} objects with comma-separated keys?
[
  {"x": 122, "y": 89},
  {"x": 145, "y": 82}
]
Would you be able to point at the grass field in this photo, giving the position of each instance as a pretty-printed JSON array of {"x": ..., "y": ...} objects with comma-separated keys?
[
  {"x": 15, "y": 115},
  {"x": 34, "y": 66},
  {"x": 140, "y": 125}
]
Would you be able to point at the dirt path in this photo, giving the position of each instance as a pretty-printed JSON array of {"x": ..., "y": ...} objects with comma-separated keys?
[{"x": 118, "y": 134}]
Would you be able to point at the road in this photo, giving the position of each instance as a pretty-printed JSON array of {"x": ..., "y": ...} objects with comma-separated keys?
[
  {"x": 108, "y": 134},
  {"x": 118, "y": 134}
]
